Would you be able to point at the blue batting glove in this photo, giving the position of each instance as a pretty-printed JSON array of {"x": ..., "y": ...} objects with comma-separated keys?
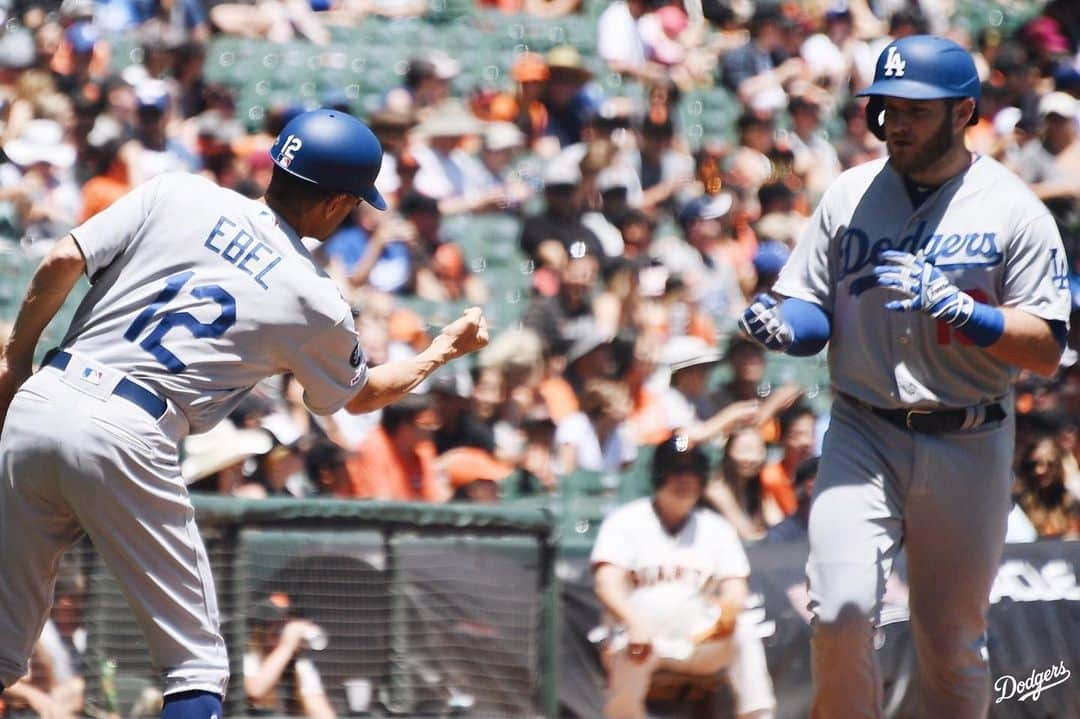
[
  {"x": 924, "y": 287},
  {"x": 762, "y": 322}
]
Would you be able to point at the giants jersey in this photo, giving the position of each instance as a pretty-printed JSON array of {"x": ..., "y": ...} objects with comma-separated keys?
[
  {"x": 671, "y": 575},
  {"x": 984, "y": 229},
  {"x": 198, "y": 293}
]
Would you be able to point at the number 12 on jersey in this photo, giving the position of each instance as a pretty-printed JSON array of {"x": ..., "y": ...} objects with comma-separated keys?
[{"x": 152, "y": 342}]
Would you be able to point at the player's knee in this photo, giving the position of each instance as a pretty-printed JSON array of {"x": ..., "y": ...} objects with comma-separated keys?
[
  {"x": 192, "y": 705},
  {"x": 847, "y": 624},
  {"x": 950, "y": 657}
]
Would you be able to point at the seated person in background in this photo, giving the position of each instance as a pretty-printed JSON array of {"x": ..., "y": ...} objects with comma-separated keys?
[
  {"x": 214, "y": 461},
  {"x": 672, "y": 578},
  {"x": 326, "y": 466},
  {"x": 451, "y": 391},
  {"x": 278, "y": 678},
  {"x": 797, "y": 439},
  {"x": 473, "y": 474},
  {"x": 1040, "y": 491},
  {"x": 396, "y": 461},
  {"x": 794, "y": 528},
  {"x": 737, "y": 493},
  {"x": 691, "y": 362},
  {"x": 597, "y": 439}
]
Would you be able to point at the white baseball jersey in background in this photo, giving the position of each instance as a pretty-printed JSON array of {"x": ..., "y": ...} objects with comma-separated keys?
[{"x": 673, "y": 576}]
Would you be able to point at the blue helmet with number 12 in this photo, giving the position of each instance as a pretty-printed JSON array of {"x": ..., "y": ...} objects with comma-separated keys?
[{"x": 333, "y": 150}]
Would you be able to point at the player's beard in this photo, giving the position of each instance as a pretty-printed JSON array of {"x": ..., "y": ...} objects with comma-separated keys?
[{"x": 935, "y": 150}]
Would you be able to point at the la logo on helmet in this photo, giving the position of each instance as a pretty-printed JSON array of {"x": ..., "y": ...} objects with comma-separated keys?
[{"x": 894, "y": 64}]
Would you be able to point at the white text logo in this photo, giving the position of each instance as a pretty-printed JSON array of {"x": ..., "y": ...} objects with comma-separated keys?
[
  {"x": 291, "y": 145},
  {"x": 894, "y": 64},
  {"x": 1008, "y": 686}
]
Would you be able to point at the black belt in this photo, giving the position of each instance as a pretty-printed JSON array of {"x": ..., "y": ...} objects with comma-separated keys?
[
  {"x": 140, "y": 396},
  {"x": 938, "y": 421}
]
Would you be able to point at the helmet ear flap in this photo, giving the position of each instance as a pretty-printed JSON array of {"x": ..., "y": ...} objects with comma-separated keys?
[{"x": 875, "y": 116}]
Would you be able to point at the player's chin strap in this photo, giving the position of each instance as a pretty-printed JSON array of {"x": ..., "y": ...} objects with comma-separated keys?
[{"x": 192, "y": 705}]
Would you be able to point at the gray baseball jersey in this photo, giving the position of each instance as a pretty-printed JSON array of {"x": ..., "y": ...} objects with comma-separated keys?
[
  {"x": 943, "y": 497},
  {"x": 984, "y": 229},
  {"x": 199, "y": 292}
]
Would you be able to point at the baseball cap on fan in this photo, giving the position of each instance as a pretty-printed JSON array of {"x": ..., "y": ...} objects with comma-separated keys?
[
  {"x": 1059, "y": 103},
  {"x": 221, "y": 447},
  {"x": 684, "y": 352},
  {"x": 706, "y": 207},
  {"x": 41, "y": 141}
]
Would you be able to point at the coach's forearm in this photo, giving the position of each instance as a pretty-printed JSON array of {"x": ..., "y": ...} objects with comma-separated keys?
[
  {"x": 390, "y": 382},
  {"x": 50, "y": 286},
  {"x": 1027, "y": 343}
]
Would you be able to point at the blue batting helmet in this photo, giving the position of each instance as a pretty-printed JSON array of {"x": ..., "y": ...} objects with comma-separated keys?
[
  {"x": 921, "y": 67},
  {"x": 333, "y": 150}
]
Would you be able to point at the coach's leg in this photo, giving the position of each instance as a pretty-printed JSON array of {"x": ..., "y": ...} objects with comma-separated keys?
[
  {"x": 956, "y": 517},
  {"x": 35, "y": 529},
  {"x": 133, "y": 503},
  {"x": 855, "y": 531}
]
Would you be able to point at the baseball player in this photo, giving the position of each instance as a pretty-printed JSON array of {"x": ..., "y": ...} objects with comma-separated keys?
[
  {"x": 671, "y": 577},
  {"x": 196, "y": 294},
  {"x": 935, "y": 275}
]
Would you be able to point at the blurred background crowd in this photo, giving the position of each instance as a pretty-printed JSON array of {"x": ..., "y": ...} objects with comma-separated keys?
[{"x": 611, "y": 180}]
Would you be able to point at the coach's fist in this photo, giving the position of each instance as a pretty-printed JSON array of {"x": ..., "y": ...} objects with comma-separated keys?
[{"x": 464, "y": 335}]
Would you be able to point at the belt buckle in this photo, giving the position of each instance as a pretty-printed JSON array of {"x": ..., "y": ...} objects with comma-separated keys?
[{"x": 913, "y": 412}]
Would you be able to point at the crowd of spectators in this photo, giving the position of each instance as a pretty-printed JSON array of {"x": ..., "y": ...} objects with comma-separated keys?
[{"x": 642, "y": 242}]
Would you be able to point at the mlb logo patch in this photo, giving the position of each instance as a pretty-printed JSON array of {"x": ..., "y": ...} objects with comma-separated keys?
[{"x": 91, "y": 375}]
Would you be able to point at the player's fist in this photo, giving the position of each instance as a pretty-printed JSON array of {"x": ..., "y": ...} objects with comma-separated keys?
[
  {"x": 464, "y": 335},
  {"x": 923, "y": 287},
  {"x": 763, "y": 323}
]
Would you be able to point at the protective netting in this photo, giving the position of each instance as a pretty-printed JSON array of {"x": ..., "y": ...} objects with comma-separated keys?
[{"x": 421, "y": 613}]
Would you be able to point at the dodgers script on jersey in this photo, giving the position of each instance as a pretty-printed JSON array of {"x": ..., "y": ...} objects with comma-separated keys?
[
  {"x": 984, "y": 229},
  {"x": 220, "y": 296}
]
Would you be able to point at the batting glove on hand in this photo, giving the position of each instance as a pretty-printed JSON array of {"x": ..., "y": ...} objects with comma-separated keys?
[
  {"x": 924, "y": 287},
  {"x": 761, "y": 321}
]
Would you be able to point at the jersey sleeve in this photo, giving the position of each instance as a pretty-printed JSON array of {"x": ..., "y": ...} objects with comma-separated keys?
[
  {"x": 331, "y": 367},
  {"x": 731, "y": 558},
  {"x": 105, "y": 235},
  {"x": 807, "y": 275},
  {"x": 612, "y": 545},
  {"x": 1036, "y": 277}
]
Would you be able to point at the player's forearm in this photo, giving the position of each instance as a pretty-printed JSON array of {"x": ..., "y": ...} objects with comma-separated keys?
[
  {"x": 733, "y": 593},
  {"x": 317, "y": 706},
  {"x": 390, "y": 382},
  {"x": 48, "y": 289},
  {"x": 258, "y": 685},
  {"x": 614, "y": 594},
  {"x": 1027, "y": 343}
]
